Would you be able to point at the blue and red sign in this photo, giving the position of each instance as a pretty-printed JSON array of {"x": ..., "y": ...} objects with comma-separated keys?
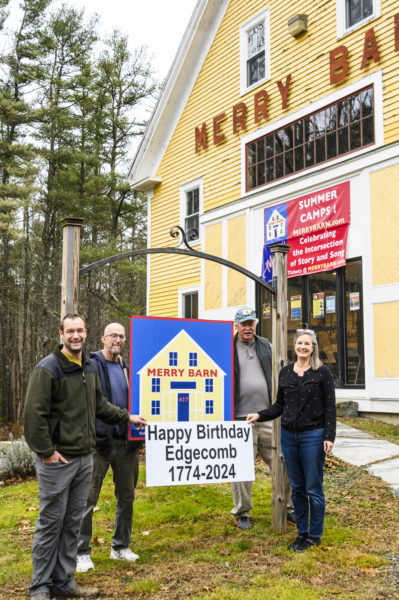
[
  {"x": 315, "y": 226},
  {"x": 180, "y": 370}
]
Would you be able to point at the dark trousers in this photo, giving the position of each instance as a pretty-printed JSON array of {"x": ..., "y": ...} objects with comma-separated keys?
[
  {"x": 125, "y": 470},
  {"x": 63, "y": 492},
  {"x": 304, "y": 460}
]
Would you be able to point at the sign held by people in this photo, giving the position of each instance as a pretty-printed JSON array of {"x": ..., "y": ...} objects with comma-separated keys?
[
  {"x": 213, "y": 452},
  {"x": 181, "y": 381}
]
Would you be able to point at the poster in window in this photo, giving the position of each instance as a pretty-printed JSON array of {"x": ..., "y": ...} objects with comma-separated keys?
[
  {"x": 318, "y": 305},
  {"x": 354, "y": 301},
  {"x": 330, "y": 304},
  {"x": 267, "y": 310},
  {"x": 296, "y": 302}
]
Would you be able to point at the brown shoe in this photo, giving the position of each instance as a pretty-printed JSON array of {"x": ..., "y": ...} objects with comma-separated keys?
[{"x": 78, "y": 592}]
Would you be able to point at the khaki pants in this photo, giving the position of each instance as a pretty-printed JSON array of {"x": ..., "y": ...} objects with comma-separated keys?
[{"x": 262, "y": 434}]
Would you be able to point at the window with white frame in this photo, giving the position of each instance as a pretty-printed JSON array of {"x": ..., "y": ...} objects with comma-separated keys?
[
  {"x": 352, "y": 14},
  {"x": 155, "y": 407},
  {"x": 173, "y": 359},
  {"x": 190, "y": 305},
  {"x": 254, "y": 41},
  {"x": 193, "y": 359},
  {"x": 156, "y": 384},
  {"x": 191, "y": 208},
  {"x": 209, "y": 407}
]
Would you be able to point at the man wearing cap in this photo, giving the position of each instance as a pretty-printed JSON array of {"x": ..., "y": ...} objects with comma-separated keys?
[{"x": 252, "y": 393}]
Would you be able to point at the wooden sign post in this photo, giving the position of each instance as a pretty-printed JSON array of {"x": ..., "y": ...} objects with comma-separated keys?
[
  {"x": 279, "y": 338},
  {"x": 70, "y": 265}
]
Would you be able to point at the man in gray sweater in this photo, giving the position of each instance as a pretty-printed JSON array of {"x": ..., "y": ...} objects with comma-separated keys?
[{"x": 252, "y": 393}]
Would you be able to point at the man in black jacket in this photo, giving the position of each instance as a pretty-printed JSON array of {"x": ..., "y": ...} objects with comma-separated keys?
[
  {"x": 252, "y": 390},
  {"x": 62, "y": 400},
  {"x": 114, "y": 450}
]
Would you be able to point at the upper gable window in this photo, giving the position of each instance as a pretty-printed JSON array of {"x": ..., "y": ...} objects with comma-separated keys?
[
  {"x": 352, "y": 14},
  {"x": 254, "y": 40}
]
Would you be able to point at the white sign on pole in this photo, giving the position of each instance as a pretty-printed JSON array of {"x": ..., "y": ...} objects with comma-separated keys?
[{"x": 181, "y": 453}]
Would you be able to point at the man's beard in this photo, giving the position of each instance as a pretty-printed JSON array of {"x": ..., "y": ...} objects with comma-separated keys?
[{"x": 115, "y": 350}]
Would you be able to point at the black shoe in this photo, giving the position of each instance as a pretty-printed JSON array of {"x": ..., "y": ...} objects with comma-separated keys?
[
  {"x": 243, "y": 523},
  {"x": 297, "y": 543},
  {"x": 308, "y": 543},
  {"x": 291, "y": 517}
]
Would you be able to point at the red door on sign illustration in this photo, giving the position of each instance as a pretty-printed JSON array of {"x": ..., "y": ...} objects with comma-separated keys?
[{"x": 183, "y": 407}]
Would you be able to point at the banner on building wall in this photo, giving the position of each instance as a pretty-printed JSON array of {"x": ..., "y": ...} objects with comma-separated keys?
[{"x": 315, "y": 226}]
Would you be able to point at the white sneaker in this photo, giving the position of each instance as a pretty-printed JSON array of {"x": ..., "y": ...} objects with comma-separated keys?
[
  {"x": 123, "y": 554},
  {"x": 84, "y": 563}
]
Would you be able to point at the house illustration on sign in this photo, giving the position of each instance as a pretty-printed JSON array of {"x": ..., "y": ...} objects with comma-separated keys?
[
  {"x": 275, "y": 227},
  {"x": 182, "y": 383}
]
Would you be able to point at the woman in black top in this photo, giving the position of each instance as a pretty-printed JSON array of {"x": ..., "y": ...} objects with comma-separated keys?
[{"x": 306, "y": 401}]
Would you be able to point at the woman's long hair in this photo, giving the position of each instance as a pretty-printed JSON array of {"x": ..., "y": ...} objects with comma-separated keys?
[{"x": 315, "y": 361}]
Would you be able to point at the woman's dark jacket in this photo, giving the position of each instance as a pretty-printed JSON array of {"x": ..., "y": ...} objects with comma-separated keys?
[
  {"x": 104, "y": 432},
  {"x": 306, "y": 402}
]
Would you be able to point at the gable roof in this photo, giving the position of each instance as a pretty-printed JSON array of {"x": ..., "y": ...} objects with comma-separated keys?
[{"x": 190, "y": 57}]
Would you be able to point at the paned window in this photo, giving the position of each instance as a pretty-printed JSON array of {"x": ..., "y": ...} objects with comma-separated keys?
[
  {"x": 173, "y": 359},
  {"x": 192, "y": 212},
  {"x": 190, "y": 305},
  {"x": 352, "y": 14},
  {"x": 156, "y": 384},
  {"x": 208, "y": 385},
  {"x": 155, "y": 407},
  {"x": 334, "y": 131},
  {"x": 256, "y": 53},
  {"x": 254, "y": 48},
  {"x": 193, "y": 359},
  {"x": 209, "y": 407},
  {"x": 357, "y": 11}
]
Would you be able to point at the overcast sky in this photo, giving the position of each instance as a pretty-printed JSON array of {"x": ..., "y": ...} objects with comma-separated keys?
[{"x": 157, "y": 24}]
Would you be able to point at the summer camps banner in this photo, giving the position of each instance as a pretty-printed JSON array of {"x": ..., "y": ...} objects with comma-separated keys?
[{"x": 315, "y": 226}]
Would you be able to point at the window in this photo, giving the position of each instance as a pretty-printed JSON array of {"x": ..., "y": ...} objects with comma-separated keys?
[
  {"x": 208, "y": 385},
  {"x": 330, "y": 303},
  {"x": 173, "y": 359},
  {"x": 193, "y": 359},
  {"x": 352, "y": 14},
  {"x": 191, "y": 207},
  {"x": 192, "y": 212},
  {"x": 358, "y": 10},
  {"x": 337, "y": 129},
  {"x": 156, "y": 384},
  {"x": 190, "y": 305},
  {"x": 209, "y": 407},
  {"x": 254, "y": 39},
  {"x": 155, "y": 407}
]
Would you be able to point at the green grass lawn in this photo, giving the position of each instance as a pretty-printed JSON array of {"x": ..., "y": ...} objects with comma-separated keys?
[{"x": 189, "y": 547}]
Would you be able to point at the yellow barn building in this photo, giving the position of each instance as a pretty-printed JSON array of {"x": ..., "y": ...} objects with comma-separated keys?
[{"x": 267, "y": 102}]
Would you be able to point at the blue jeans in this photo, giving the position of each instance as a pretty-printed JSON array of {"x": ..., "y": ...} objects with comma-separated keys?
[{"x": 304, "y": 460}]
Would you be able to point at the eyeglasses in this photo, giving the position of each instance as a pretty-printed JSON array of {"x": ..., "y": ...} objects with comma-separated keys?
[{"x": 116, "y": 336}]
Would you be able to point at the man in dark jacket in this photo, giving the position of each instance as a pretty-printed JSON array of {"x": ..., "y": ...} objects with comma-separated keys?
[
  {"x": 112, "y": 449},
  {"x": 252, "y": 388},
  {"x": 63, "y": 399}
]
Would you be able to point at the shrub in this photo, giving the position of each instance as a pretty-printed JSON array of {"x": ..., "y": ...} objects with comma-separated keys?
[{"x": 17, "y": 460}]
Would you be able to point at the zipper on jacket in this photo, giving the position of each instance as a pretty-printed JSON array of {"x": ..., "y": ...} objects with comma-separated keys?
[{"x": 87, "y": 406}]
